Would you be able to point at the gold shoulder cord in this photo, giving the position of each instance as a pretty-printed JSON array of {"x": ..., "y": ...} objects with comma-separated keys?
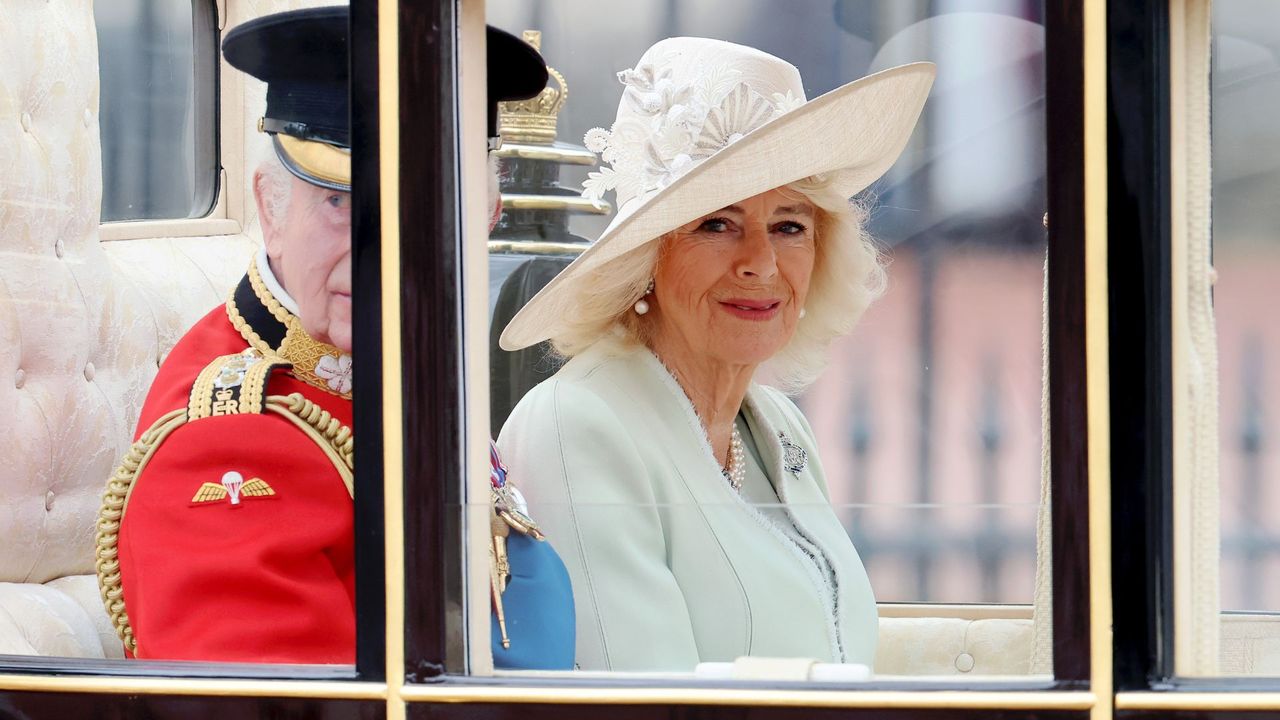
[
  {"x": 114, "y": 501},
  {"x": 331, "y": 436},
  {"x": 325, "y": 431}
]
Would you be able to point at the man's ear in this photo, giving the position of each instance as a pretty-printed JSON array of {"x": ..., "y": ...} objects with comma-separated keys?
[{"x": 261, "y": 191}]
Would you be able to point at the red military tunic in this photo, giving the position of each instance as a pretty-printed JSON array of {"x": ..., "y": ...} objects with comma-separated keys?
[{"x": 235, "y": 539}]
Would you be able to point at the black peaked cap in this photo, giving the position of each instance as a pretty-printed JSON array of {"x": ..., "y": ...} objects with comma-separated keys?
[
  {"x": 302, "y": 56},
  {"x": 516, "y": 71}
]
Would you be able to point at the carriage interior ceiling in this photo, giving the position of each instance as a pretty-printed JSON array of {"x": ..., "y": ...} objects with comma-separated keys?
[{"x": 85, "y": 322}]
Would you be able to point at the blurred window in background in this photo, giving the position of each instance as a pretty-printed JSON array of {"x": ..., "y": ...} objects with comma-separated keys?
[
  {"x": 158, "y": 61},
  {"x": 1245, "y": 87}
]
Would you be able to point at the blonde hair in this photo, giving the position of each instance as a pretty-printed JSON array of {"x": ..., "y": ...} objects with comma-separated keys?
[{"x": 848, "y": 275}]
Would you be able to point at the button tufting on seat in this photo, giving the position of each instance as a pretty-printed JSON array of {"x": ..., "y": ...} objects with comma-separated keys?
[
  {"x": 89, "y": 372},
  {"x": 48, "y": 500},
  {"x": 20, "y": 378},
  {"x": 59, "y": 248},
  {"x": 964, "y": 662}
]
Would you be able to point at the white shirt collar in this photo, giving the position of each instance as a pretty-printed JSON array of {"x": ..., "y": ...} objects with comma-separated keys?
[{"x": 273, "y": 285}]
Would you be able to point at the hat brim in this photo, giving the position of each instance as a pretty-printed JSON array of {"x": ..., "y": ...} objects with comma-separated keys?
[
  {"x": 318, "y": 163},
  {"x": 852, "y": 135}
]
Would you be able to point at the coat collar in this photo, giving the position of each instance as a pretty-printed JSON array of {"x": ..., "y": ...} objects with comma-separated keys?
[
  {"x": 264, "y": 322},
  {"x": 697, "y": 458}
]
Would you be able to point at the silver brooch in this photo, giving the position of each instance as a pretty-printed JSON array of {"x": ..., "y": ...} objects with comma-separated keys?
[{"x": 794, "y": 457}]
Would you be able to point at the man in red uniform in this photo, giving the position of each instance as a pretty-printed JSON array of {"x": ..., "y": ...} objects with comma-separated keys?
[{"x": 227, "y": 532}]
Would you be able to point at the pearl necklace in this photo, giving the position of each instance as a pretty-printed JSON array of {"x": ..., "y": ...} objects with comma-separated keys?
[{"x": 736, "y": 471}]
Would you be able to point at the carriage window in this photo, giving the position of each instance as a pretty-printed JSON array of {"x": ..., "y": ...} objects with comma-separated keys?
[
  {"x": 158, "y": 112},
  {"x": 185, "y": 490},
  {"x": 909, "y": 468},
  {"x": 1231, "y": 348}
]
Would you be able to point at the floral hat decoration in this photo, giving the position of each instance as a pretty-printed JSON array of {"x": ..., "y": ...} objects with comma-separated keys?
[{"x": 705, "y": 123}]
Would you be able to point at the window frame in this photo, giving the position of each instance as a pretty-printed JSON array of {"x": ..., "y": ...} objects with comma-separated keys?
[
  {"x": 434, "y": 539},
  {"x": 415, "y": 451},
  {"x": 111, "y": 675},
  {"x": 1141, "y": 206},
  {"x": 208, "y": 19}
]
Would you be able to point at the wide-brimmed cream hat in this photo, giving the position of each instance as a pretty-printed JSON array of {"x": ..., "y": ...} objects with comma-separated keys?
[{"x": 703, "y": 124}]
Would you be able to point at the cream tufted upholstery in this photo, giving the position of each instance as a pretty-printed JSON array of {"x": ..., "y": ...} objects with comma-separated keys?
[
  {"x": 83, "y": 326},
  {"x": 953, "y": 646}
]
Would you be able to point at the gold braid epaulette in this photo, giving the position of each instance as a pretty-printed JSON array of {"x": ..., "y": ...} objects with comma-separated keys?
[
  {"x": 233, "y": 384},
  {"x": 331, "y": 436}
]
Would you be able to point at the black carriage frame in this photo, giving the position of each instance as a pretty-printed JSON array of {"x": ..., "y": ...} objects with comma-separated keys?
[{"x": 432, "y": 378}]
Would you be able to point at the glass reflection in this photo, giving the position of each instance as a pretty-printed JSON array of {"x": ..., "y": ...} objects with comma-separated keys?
[
  {"x": 226, "y": 532},
  {"x": 1245, "y": 90},
  {"x": 931, "y": 406},
  {"x": 158, "y": 111}
]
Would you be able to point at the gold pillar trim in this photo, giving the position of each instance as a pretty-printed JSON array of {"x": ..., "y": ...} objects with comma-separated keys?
[
  {"x": 392, "y": 370},
  {"x": 732, "y": 697},
  {"x": 1097, "y": 348},
  {"x": 561, "y": 155},
  {"x": 552, "y": 249},
  {"x": 187, "y": 686},
  {"x": 512, "y": 201},
  {"x": 1173, "y": 701}
]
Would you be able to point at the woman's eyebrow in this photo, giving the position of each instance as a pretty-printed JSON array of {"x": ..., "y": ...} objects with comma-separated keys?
[{"x": 806, "y": 210}]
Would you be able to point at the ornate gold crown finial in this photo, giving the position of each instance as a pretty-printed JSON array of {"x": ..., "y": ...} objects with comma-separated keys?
[{"x": 534, "y": 120}]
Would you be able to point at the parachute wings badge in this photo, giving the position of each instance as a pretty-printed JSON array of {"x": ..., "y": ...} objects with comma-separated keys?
[{"x": 233, "y": 487}]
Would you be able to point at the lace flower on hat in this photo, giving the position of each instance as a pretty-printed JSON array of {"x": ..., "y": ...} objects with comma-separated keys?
[
  {"x": 676, "y": 124},
  {"x": 786, "y": 102}
]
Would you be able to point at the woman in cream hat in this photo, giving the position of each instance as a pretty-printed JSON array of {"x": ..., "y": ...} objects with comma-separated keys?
[{"x": 690, "y": 501}]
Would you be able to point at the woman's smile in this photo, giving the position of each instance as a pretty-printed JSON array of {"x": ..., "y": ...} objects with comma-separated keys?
[{"x": 749, "y": 309}]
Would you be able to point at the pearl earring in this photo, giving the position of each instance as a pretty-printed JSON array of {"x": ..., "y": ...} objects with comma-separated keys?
[
  {"x": 642, "y": 306},
  {"x": 803, "y": 312}
]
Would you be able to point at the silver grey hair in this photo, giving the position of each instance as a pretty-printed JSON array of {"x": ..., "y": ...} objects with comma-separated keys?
[
  {"x": 277, "y": 187},
  {"x": 848, "y": 275}
]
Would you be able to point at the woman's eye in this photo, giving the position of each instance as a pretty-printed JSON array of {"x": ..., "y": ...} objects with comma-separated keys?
[
  {"x": 714, "y": 225},
  {"x": 340, "y": 201},
  {"x": 790, "y": 227}
]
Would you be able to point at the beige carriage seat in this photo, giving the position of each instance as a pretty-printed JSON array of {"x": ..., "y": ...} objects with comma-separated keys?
[{"x": 83, "y": 327}]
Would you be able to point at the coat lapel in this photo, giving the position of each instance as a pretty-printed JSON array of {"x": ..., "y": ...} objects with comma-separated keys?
[
  {"x": 685, "y": 439},
  {"x": 802, "y": 491},
  {"x": 768, "y": 437},
  {"x": 804, "y": 494}
]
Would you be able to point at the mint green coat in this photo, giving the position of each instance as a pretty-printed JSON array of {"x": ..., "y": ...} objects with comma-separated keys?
[{"x": 670, "y": 567}]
